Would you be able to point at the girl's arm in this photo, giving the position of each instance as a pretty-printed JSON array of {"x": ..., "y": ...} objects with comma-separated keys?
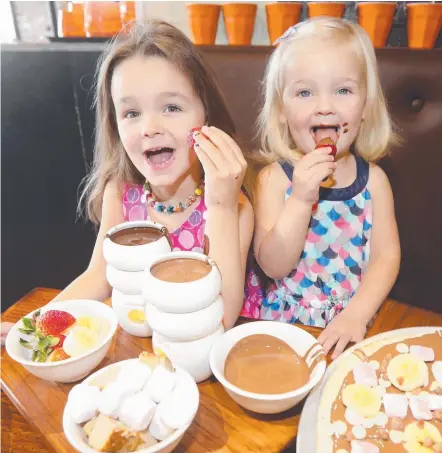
[
  {"x": 381, "y": 273},
  {"x": 92, "y": 283},
  {"x": 230, "y": 234},
  {"x": 281, "y": 226},
  {"x": 229, "y": 214}
]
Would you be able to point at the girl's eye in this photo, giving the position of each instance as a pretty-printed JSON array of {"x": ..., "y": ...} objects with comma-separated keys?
[
  {"x": 304, "y": 93},
  {"x": 131, "y": 114},
  {"x": 344, "y": 91},
  {"x": 172, "y": 108}
]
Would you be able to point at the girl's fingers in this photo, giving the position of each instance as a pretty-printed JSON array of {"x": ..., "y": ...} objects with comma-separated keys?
[
  {"x": 311, "y": 160},
  {"x": 340, "y": 346},
  {"x": 329, "y": 341},
  {"x": 210, "y": 150},
  {"x": 206, "y": 161},
  {"x": 220, "y": 135},
  {"x": 318, "y": 175}
]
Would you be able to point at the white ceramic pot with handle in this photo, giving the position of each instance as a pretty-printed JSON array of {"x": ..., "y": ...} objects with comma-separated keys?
[
  {"x": 137, "y": 255},
  {"x": 181, "y": 296}
]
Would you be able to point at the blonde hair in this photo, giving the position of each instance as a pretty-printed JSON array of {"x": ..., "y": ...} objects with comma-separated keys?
[
  {"x": 155, "y": 38},
  {"x": 376, "y": 132}
]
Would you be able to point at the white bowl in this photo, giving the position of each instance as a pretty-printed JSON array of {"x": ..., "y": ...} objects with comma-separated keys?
[
  {"x": 75, "y": 368},
  {"x": 125, "y": 303},
  {"x": 299, "y": 340},
  {"x": 134, "y": 257},
  {"x": 184, "y": 297},
  {"x": 186, "y": 326},
  {"x": 124, "y": 281},
  {"x": 76, "y": 437},
  {"x": 193, "y": 356}
]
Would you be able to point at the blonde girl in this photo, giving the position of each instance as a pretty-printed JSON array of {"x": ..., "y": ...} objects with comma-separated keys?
[{"x": 332, "y": 253}]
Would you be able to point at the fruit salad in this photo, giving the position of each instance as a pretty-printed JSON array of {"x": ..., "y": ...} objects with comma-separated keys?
[
  {"x": 56, "y": 335},
  {"x": 133, "y": 405}
]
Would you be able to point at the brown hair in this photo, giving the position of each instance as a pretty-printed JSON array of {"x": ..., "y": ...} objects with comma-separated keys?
[{"x": 159, "y": 39}]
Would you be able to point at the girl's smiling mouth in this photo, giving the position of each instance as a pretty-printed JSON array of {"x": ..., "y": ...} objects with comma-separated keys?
[
  {"x": 159, "y": 157},
  {"x": 321, "y": 131}
]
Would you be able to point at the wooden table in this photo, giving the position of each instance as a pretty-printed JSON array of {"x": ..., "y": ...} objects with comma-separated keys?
[{"x": 220, "y": 424}]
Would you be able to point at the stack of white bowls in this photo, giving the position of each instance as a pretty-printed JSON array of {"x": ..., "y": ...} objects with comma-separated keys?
[
  {"x": 186, "y": 317},
  {"x": 125, "y": 273}
]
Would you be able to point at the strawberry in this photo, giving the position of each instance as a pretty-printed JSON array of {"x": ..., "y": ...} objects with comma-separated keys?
[
  {"x": 57, "y": 355},
  {"x": 190, "y": 139},
  {"x": 46, "y": 331},
  {"x": 54, "y": 322},
  {"x": 327, "y": 142}
]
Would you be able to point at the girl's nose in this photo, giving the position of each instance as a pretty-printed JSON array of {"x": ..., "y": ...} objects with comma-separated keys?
[
  {"x": 325, "y": 106},
  {"x": 152, "y": 126}
]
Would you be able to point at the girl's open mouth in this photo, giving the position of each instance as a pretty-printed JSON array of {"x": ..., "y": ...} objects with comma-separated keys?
[
  {"x": 322, "y": 131},
  {"x": 159, "y": 157}
]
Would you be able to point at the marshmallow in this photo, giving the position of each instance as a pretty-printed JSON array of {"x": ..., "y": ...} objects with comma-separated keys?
[
  {"x": 424, "y": 353},
  {"x": 158, "y": 429},
  {"x": 134, "y": 376},
  {"x": 364, "y": 374},
  {"x": 160, "y": 384},
  {"x": 112, "y": 397},
  {"x": 83, "y": 403},
  {"x": 420, "y": 407},
  {"x": 137, "y": 411},
  {"x": 353, "y": 418},
  {"x": 395, "y": 405},
  {"x": 436, "y": 368},
  {"x": 435, "y": 402},
  {"x": 359, "y": 432},
  {"x": 359, "y": 446},
  {"x": 178, "y": 408}
]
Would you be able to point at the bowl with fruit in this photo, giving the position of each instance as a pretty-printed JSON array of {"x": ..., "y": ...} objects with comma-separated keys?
[
  {"x": 63, "y": 341},
  {"x": 144, "y": 404}
]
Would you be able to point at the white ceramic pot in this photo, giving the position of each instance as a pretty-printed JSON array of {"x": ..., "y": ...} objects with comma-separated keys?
[
  {"x": 298, "y": 339},
  {"x": 75, "y": 368},
  {"x": 130, "y": 310},
  {"x": 137, "y": 257},
  {"x": 186, "y": 326},
  {"x": 193, "y": 356},
  {"x": 184, "y": 297},
  {"x": 126, "y": 282}
]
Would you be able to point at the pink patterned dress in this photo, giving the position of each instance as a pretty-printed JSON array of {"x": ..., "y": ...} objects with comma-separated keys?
[{"x": 188, "y": 237}]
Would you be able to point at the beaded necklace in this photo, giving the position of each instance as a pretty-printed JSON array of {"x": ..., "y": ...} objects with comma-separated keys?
[{"x": 170, "y": 209}]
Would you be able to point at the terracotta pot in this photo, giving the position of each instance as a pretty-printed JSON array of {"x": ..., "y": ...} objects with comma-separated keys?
[
  {"x": 330, "y": 9},
  {"x": 239, "y": 20},
  {"x": 376, "y": 19},
  {"x": 102, "y": 19},
  {"x": 424, "y": 23},
  {"x": 203, "y": 22},
  {"x": 71, "y": 20},
  {"x": 281, "y": 16},
  {"x": 127, "y": 14}
]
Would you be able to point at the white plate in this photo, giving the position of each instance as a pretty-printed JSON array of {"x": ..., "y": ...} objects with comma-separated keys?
[
  {"x": 76, "y": 437},
  {"x": 307, "y": 434}
]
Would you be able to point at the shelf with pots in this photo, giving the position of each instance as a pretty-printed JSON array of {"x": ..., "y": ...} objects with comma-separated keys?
[{"x": 422, "y": 23}]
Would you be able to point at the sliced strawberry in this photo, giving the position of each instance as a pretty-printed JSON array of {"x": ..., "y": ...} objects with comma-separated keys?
[
  {"x": 57, "y": 355},
  {"x": 54, "y": 322},
  {"x": 327, "y": 142},
  {"x": 190, "y": 139}
]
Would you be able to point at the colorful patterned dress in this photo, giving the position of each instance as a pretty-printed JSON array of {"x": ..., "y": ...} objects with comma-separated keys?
[
  {"x": 188, "y": 237},
  {"x": 334, "y": 259}
]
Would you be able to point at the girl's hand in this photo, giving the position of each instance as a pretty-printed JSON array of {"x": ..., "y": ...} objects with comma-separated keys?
[
  {"x": 224, "y": 166},
  {"x": 342, "y": 330},
  {"x": 5, "y": 327},
  {"x": 309, "y": 172}
]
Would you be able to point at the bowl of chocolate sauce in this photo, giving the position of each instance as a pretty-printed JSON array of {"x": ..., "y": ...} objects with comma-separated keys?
[
  {"x": 132, "y": 246},
  {"x": 191, "y": 281},
  {"x": 267, "y": 367}
]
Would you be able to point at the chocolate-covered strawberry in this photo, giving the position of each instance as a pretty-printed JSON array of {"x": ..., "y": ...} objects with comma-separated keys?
[{"x": 327, "y": 142}]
